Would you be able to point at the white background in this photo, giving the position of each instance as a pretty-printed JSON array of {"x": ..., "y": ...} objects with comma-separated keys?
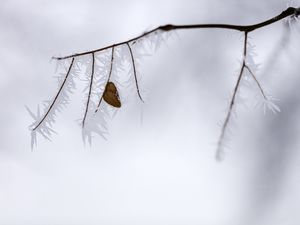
[{"x": 160, "y": 171}]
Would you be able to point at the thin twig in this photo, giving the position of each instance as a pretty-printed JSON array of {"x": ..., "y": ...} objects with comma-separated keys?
[
  {"x": 111, "y": 63},
  {"x": 257, "y": 82},
  {"x": 169, "y": 27},
  {"x": 90, "y": 90},
  {"x": 232, "y": 101},
  {"x": 56, "y": 97},
  {"x": 134, "y": 72},
  {"x": 109, "y": 75}
]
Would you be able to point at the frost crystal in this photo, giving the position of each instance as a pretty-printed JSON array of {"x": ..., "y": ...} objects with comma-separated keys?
[{"x": 268, "y": 103}]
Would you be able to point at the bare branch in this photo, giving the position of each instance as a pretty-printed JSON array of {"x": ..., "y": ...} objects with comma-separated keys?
[
  {"x": 90, "y": 90},
  {"x": 294, "y": 12},
  {"x": 109, "y": 76},
  {"x": 111, "y": 63},
  {"x": 232, "y": 101},
  {"x": 257, "y": 82},
  {"x": 134, "y": 72},
  {"x": 56, "y": 97},
  {"x": 169, "y": 27}
]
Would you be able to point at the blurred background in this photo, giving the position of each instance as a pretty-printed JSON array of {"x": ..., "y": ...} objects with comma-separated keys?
[{"x": 160, "y": 170}]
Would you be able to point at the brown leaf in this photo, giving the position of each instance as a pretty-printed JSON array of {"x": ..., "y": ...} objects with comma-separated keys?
[{"x": 111, "y": 95}]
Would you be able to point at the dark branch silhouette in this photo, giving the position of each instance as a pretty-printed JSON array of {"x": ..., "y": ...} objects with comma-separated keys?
[
  {"x": 169, "y": 27},
  {"x": 232, "y": 101},
  {"x": 90, "y": 89},
  {"x": 109, "y": 75},
  {"x": 56, "y": 97},
  {"x": 256, "y": 81},
  {"x": 134, "y": 72}
]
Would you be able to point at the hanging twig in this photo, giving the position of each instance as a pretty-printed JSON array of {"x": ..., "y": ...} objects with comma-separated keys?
[
  {"x": 90, "y": 90},
  {"x": 232, "y": 101},
  {"x": 109, "y": 76},
  {"x": 256, "y": 81},
  {"x": 134, "y": 73},
  {"x": 56, "y": 97}
]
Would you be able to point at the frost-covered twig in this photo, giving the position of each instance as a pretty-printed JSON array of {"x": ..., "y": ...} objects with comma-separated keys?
[
  {"x": 219, "y": 152},
  {"x": 291, "y": 11},
  {"x": 109, "y": 76},
  {"x": 43, "y": 123},
  {"x": 56, "y": 97},
  {"x": 90, "y": 90},
  {"x": 134, "y": 72},
  {"x": 256, "y": 81}
]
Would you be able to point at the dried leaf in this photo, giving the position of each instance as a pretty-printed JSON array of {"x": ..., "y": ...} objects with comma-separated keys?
[{"x": 111, "y": 95}]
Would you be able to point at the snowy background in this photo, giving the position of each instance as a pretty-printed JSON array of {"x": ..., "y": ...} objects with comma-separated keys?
[{"x": 160, "y": 170}]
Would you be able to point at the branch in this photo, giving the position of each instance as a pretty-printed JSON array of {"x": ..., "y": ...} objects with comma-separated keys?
[
  {"x": 134, "y": 72},
  {"x": 90, "y": 90},
  {"x": 56, "y": 97},
  {"x": 257, "y": 82},
  {"x": 232, "y": 101},
  {"x": 291, "y": 11},
  {"x": 109, "y": 75}
]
